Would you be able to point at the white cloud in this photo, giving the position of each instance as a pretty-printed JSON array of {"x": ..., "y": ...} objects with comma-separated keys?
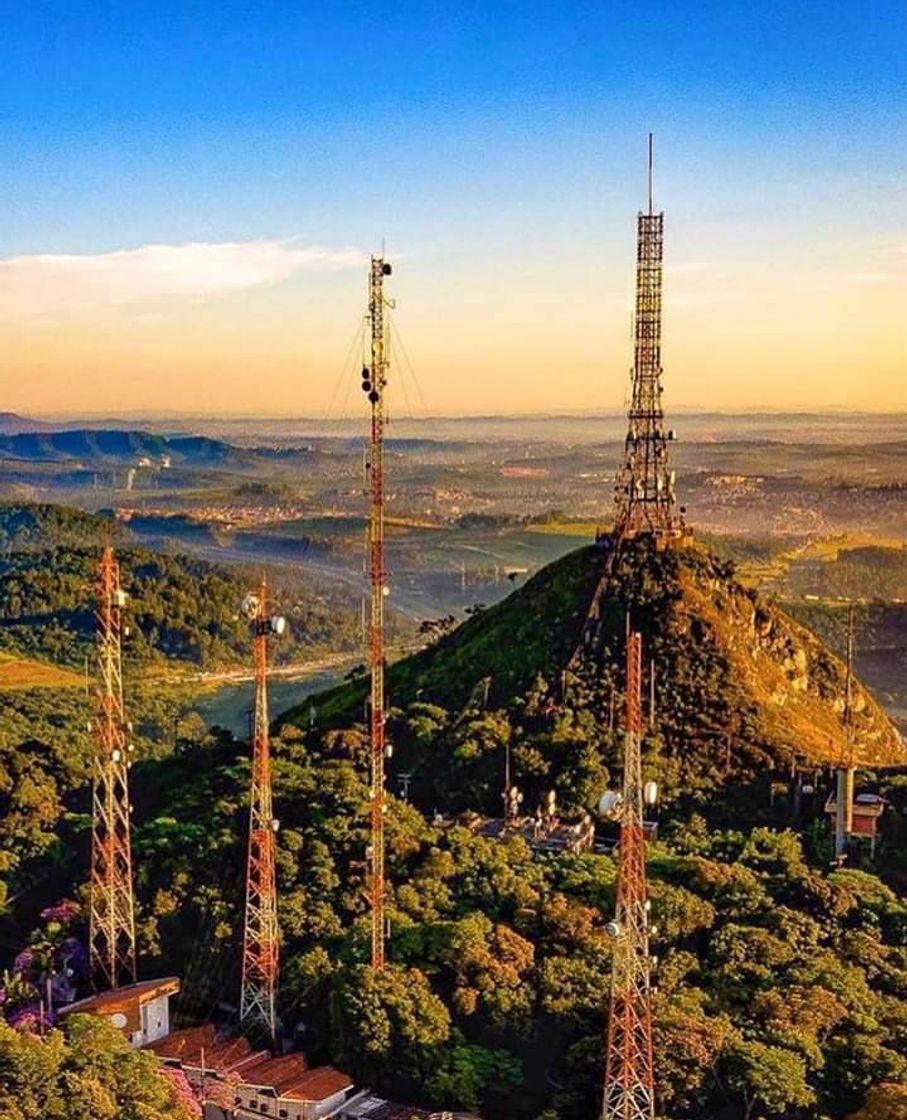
[{"x": 51, "y": 283}]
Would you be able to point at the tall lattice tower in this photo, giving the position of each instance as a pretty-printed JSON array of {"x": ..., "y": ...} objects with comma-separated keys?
[
  {"x": 645, "y": 498},
  {"x": 111, "y": 934},
  {"x": 258, "y": 1000},
  {"x": 629, "y": 1065},
  {"x": 374, "y": 381}
]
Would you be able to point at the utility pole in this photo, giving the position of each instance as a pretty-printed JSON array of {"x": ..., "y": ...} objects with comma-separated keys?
[
  {"x": 111, "y": 936},
  {"x": 645, "y": 499},
  {"x": 845, "y": 776},
  {"x": 261, "y": 935},
  {"x": 629, "y": 1062},
  {"x": 374, "y": 381}
]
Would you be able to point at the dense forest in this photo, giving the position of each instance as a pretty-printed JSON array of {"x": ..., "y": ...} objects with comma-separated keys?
[
  {"x": 781, "y": 980},
  {"x": 781, "y": 984},
  {"x": 85, "y": 1071}
]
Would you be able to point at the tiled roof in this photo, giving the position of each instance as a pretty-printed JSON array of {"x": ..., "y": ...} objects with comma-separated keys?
[
  {"x": 288, "y": 1076},
  {"x": 202, "y": 1046},
  {"x": 319, "y": 1084},
  {"x": 185, "y": 1042},
  {"x": 275, "y": 1073}
]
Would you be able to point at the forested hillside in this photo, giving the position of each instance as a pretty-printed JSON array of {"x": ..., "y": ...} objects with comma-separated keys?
[
  {"x": 740, "y": 688},
  {"x": 181, "y": 609},
  {"x": 781, "y": 985},
  {"x": 100, "y": 445}
]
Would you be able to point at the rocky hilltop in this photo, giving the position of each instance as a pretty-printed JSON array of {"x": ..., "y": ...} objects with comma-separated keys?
[{"x": 740, "y": 689}]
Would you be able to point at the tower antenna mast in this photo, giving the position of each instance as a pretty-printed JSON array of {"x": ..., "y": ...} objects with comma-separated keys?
[
  {"x": 261, "y": 944},
  {"x": 845, "y": 775},
  {"x": 111, "y": 935},
  {"x": 374, "y": 381},
  {"x": 629, "y": 1062},
  {"x": 645, "y": 500}
]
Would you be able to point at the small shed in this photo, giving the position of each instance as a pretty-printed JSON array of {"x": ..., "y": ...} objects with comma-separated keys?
[
  {"x": 141, "y": 1011},
  {"x": 867, "y": 808}
]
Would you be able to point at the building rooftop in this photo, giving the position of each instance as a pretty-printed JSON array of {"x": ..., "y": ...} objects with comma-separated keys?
[
  {"x": 319, "y": 1084},
  {"x": 376, "y": 1108},
  {"x": 545, "y": 834},
  {"x": 287, "y": 1076},
  {"x": 203, "y": 1047},
  {"x": 118, "y": 999}
]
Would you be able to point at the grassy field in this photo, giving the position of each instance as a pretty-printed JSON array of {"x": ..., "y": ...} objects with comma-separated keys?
[
  {"x": 20, "y": 672},
  {"x": 584, "y": 529},
  {"x": 829, "y": 548}
]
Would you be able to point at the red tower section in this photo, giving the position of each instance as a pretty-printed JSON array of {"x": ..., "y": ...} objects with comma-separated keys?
[
  {"x": 261, "y": 934},
  {"x": 629, "y": 1065},
  {"x": 111, "y": 936}
]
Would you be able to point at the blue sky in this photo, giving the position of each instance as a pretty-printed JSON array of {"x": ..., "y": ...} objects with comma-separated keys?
[{"x": 497, "y": 146}]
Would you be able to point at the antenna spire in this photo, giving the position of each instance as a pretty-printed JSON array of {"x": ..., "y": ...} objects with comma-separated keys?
[{"x": 645, "y": 496}]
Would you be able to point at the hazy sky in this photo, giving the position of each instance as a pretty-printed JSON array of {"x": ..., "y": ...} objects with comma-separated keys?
[{"x": 189, "y": 192}]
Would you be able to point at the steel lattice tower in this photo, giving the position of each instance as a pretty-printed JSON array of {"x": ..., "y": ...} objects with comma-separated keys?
[
  {"x": 629, "y": 1065},
  {"x": 645, "y": 485},
  {"x": 374, "y": 381},
  {"x": 111, "y": 936},
  {"x": 258, "y": 1001}
]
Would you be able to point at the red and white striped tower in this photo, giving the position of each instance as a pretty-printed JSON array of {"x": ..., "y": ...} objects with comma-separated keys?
[
  {"x": 111, "y": 932},
  {"x": 629, "y": 1065},
  {"x": 258, "y": 1000},
  {"x": 374, "y": 381}
]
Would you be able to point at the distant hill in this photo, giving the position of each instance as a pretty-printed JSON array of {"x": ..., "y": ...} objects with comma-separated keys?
[
  {"x": 740, "y": 687},
  {"x": 127, "y": 447},
  {"x": 11, "y": 424}
]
